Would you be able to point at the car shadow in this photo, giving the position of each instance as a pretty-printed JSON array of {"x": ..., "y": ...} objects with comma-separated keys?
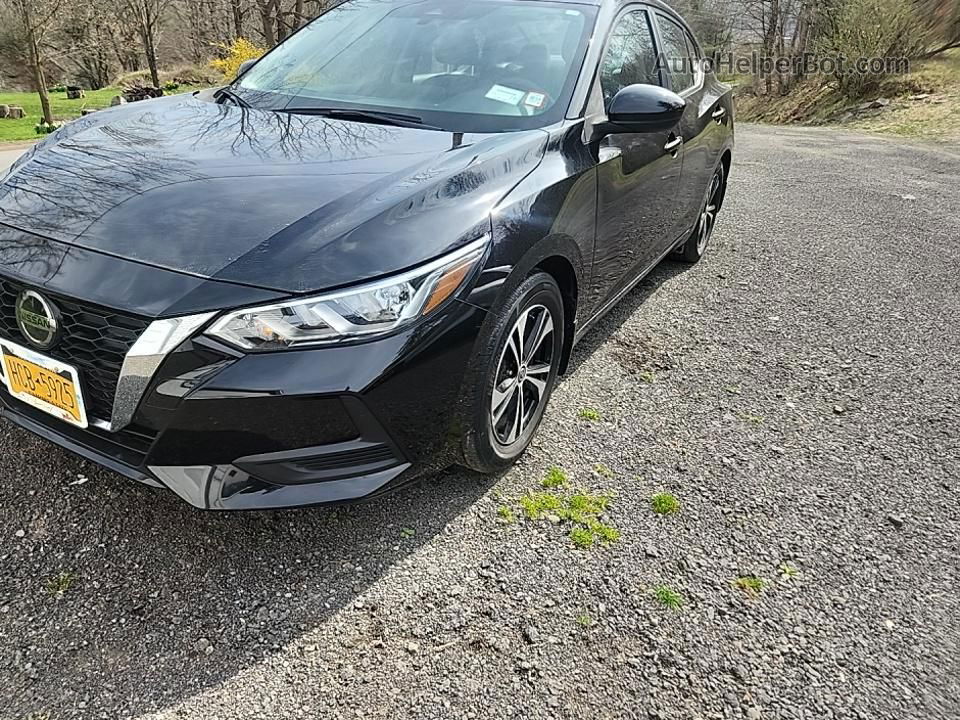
[
  {"x": 161, "y": 600},
  {"x": 610, "y": 324},
  {"x": 158, "y": 600}
]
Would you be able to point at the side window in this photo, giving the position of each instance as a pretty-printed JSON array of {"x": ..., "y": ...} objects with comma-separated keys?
[
  {"x": 677, "y": 55},
  {"x": 630, "y": 58}
]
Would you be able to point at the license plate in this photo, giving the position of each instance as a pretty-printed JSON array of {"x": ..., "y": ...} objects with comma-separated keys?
[{"x": 46, "y": 384}]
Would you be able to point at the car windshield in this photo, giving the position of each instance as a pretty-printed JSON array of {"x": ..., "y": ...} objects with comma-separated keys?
[{"x": 463, "y": 65}]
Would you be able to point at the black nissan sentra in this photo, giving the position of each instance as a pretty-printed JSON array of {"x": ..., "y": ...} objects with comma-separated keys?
[{"x": 366, "y": 258}]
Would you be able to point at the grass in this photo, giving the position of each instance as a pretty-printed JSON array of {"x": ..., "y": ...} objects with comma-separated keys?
[
  {"x": 668, "y": 597},
  {"x": 577, "y": 508},
  {"x": 61, "y": 108},
  {"x": 936, "y": 117},
  {"x": 603, "y": 470},
  {"x": 580, "y": 510},
  {"x": 590, "y": 414},
  {"x": 664, "y": 504},
  {"x": 584, "y": 620},
  {"x": 582, "y": 538},
  {"x": 748, "y": 417},
  {"x": 506, "y": 514},
  {"x": 647, "y": 376},
  {"x": 751, "y": 584},
  {"x": 788, "y": 571},
  {"x": 580, "y": 507},
  {"x": 539, "y": 505},
  {"x": 555, "y": 478},
  {"x": 407, "y": 533},
  {"x": 60, "y": 583}
]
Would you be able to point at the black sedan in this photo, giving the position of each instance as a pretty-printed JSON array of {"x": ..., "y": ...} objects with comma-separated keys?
[{"x": 366, "y": 258}]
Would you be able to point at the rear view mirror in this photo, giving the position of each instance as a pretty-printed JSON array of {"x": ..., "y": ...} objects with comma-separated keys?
[{"x": 644, "y": 109}]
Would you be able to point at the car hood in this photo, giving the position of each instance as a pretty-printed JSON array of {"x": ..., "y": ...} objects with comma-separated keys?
[{"x": 284, "y": 202}]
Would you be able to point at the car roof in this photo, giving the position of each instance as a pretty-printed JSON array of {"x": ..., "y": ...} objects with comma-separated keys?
[
  {"x": 655, "y": 3},
  {"x": 658, "y": 4}
]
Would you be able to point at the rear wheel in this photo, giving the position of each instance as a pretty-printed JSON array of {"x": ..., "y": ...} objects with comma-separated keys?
[
  {"x": 696, "y": 245},
  {"x": 514, "y": 375}
]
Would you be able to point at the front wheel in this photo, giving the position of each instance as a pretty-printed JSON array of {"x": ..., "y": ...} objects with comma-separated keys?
[
  {"x": 696, "y": 245},
  {"x": 514, "y": 375}
]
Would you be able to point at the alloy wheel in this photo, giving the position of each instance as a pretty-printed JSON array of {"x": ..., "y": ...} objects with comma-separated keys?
[
  {"x": 709, "y": 215},
  {"x": 523, "y": 371}
]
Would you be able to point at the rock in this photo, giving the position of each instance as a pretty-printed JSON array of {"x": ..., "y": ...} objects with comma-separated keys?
[
  {"x": 20, "y": 533},
  {"x": 141, "y": 92},
  {"x": 877, "y": 104},
  {"x": 531, "y": 634},
  {"x": 16, "y": 112},
  {"x": 4, "y": 110},
  {"x": 412, "y": 647},
  {"x": 74, "y": 92},
  {"x": 118, "y": 100},
  {"x": 753, "y": 713},
  {"x": 896, "y": 520}
]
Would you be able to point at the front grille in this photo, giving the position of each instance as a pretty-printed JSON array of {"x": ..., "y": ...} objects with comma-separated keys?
[{"x": 95, "y": 341}]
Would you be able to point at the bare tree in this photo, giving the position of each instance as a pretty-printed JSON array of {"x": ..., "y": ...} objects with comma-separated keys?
[
  {"x": 147, "y": 17},
  {"x": 268, "y": 20},
  {"x": 37, "y": 18},
  {"x": 238, "y": 12}
]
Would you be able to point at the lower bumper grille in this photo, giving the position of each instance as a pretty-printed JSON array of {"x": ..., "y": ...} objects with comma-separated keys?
[
  {"x": 95, "y": 341},
  {"x": 367, "y": 459}
]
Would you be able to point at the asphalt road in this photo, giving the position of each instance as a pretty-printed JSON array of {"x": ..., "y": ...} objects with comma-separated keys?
[
  {"x": 797, "y": 391},
  {"x": 8, "y": 156}
]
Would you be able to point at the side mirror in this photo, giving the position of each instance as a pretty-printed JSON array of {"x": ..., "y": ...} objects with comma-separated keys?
[
  {"x": 246, "y": 65},
  {"x": 644, "y": 109}
]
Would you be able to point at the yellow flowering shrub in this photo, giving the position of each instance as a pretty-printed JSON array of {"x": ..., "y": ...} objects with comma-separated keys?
[{"x": 234, "y": 55}]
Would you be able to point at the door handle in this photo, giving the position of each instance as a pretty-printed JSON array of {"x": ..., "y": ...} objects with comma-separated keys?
[
  {"x": 673, "y": 145},
  {"x": 719, "y": 114}
]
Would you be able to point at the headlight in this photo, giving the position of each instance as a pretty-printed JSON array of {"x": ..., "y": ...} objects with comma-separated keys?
[{"x": 371, "y": 309}]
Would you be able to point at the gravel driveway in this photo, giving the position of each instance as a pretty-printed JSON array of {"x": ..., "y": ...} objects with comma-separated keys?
[{"x": 797, "y": 392}]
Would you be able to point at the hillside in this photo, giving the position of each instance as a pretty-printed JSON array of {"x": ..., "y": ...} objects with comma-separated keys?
[{"x": 923, "y": 104}]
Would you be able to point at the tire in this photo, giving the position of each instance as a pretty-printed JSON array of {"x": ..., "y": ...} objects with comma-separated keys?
[
  {"x": 499, "y": 428},
  {"x": 696, "y": 245}
]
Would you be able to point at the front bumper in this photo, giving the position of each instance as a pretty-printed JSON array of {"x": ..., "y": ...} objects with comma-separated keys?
[{"x": 228, "y": 431}]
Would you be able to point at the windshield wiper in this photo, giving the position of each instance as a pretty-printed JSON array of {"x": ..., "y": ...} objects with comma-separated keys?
[
  {"x": 228, "y": 93},
  {"x": 384, "y": 118}
]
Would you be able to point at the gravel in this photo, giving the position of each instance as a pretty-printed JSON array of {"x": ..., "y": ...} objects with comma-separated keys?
[{"x": 797, "y": 392}]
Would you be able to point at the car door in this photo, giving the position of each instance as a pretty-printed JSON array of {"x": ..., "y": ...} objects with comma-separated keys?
[
  {"x": 702, "y": 118},
  {"x": 638, "y": 174}
]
